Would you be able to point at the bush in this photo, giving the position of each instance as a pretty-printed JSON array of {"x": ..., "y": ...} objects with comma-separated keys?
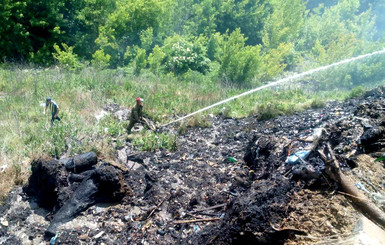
[
  {"x": 198, "y": 121},
  {"x": 183, "y": 54},
  {"x": 100, "y": 59},
  {"x": 357, "y": 92},
  {"x": 239, "y": 63},
  {"x": 66, "y": 57},
  {"x": 140, "y": 60},
  {"x": 155, "y": 59},
  {"x": 112, "y": 126}
]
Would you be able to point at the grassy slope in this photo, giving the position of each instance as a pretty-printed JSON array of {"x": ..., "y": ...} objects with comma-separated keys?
[{"x": 25, "y": 133}]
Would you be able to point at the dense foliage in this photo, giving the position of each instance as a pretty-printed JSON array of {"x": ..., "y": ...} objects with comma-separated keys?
[{"x": 243, "y": 41}]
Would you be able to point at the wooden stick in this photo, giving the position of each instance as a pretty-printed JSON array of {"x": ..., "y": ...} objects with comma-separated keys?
[
  {"x": 197, "y": 217},
  {"x": 347, "y": 194},
  {"x": 209, "y": 208},
  {"x": 359, "y": 199},
  {"x": 195, "y": 220},
  {"x": 156, "y": 208}
]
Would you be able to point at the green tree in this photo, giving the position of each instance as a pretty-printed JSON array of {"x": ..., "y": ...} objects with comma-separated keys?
[
  {"x": 247, "y": 15},
  {"x": 284, "y": 23},
  {"x": 49, "y": 22},
  {"x": 155, "y": 59},
  {"x": 210, "y": 16},
  {"x": 12, "y": 28},
  {"x": 146, "y": 38},
  {"x": 100, "y": 59},
  {"x": 88, "y": 18},
  {"x": 336, "y": 32},
  {"x": 239, "y": 63},
  {"x": 66, "y": 57},
  {"x": 203, "y": 18},
  {"x": 124, "y": 26},
  {"x": 183, "y": 54},
  {"x": 140, "y": 60}
]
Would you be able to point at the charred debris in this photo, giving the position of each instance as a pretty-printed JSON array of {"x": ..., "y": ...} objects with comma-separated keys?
[{"x": 238, "y": 181}]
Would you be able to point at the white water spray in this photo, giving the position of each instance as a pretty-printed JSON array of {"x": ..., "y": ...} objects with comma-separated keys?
[{"x": 278, "y": 82}]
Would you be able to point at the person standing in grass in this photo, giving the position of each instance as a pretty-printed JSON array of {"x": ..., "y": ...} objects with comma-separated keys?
[
  {"x": 54, "y": 109},
  {"x": 136, "y": 115}
]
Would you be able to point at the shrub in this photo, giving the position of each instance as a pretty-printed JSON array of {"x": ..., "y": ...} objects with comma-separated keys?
[
  {"x": 100, "y": 59},
  {"x": 66, "y": 57},
  {"x": 183, "y": 54},
  {"x": 239, "y": 63},
  {"x": 112, "y": 126},
  {"x": 357, "y": 92},
  {"x": 155, "y": 59},
  {"x": 198, "y": 121},
  {"x": 140, "y": 60}
]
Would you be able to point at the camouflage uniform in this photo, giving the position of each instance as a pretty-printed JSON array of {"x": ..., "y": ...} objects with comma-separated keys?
[{"x": 136, "y": 117}]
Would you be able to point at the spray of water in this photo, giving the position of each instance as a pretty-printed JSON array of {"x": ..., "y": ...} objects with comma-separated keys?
[{"x": 279, "y": 82}]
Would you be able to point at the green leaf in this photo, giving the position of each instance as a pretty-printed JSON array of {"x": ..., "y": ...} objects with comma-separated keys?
[{"x": 380, "y": 159}]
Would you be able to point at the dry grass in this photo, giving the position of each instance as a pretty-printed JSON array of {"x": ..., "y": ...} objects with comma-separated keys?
[{"x": 13, "y": 175}]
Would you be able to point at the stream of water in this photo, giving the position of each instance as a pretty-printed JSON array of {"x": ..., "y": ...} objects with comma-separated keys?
[{"x": 296, "y": 76}]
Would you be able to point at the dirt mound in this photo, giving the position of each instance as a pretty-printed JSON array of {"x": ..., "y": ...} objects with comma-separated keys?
[{"x": 70, "y": 186}]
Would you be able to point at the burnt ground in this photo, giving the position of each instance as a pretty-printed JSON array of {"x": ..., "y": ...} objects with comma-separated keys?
[{"x": 232, "y": 174}]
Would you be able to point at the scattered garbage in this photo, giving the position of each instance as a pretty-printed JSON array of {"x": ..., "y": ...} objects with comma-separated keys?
[
  {"x": 54, "y": 239},
  {"x": 196, "y": 228},
  {"x": 160, "y": 232},
  {"x": 231, "y": 160},
  {"x": 362, "y": 187},
  {"x": 3, "y": 168},
  {"x": 380, "y": 159},
  {"x": 377, "y": 197},
  {"x": 4, "y": 222},
  {"x": 297, "y": 157},
  {"x": 99, "y": 235}
]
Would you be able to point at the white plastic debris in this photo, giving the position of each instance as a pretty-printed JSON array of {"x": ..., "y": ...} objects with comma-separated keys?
[
  {"x": 100, "y": 234},
  {"x": 4, "y": 222},
  {"x": 3, "y": 168}
]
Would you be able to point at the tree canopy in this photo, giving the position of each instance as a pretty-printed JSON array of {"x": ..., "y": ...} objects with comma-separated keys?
[{"x": 248, "y": 39}]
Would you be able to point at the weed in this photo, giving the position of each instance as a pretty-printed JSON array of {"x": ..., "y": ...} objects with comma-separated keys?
[
  {"x": 268, "y": 110},
  {"x": 150, "y": 141},
  {"x": 357, "y": 92},
  {"x": 317, "y": 102},
  {"x": 112, "y": 126},
  {"x": 198, "y": 121},
  {"x": 182, "y": 129},
  {"x": 225, "y": 112}
]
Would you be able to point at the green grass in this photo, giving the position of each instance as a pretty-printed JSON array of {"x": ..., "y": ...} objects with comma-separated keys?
[
  {"x": 150, "y": 141},
  {"x": 25, "y": 133}
]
